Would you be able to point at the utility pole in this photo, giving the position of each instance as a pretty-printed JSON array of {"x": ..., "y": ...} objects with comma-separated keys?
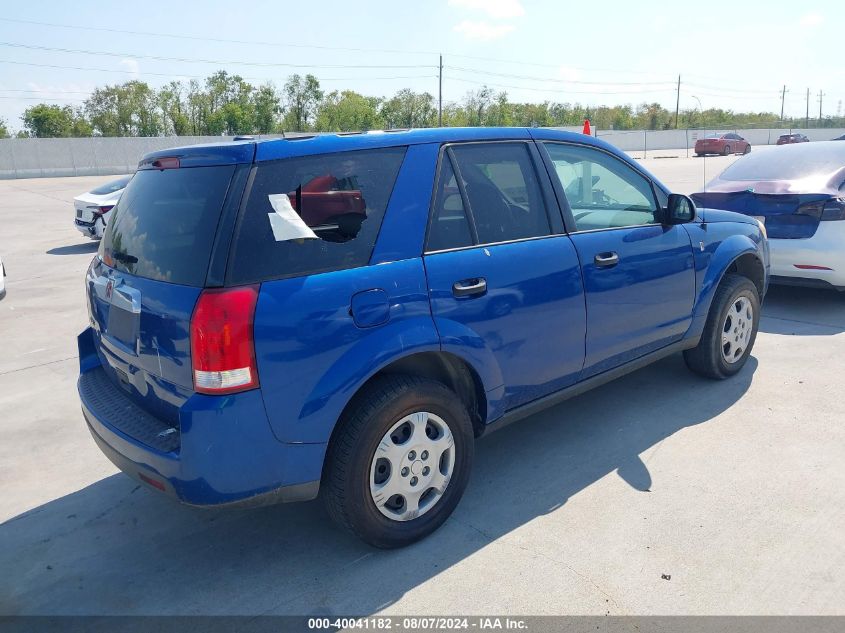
[
  {"x": 821, "y": 96},
  {"x": 678, "y": 102},
  {"x": 440, "y": 95},
  {"x": 782, "y": 101},
  {"x": 807, "y": 123}
]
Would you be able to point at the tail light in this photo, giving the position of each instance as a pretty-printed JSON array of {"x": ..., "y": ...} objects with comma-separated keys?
[
  {"x": 822, "y": 210},
  {"x": 222, "y": 342}
]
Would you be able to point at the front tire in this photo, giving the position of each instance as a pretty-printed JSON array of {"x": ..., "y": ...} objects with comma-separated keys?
[
  {"x": 730, "y": 330},
  {"x": 747, "y": 149},
  {"x": 399, "y": 462}
]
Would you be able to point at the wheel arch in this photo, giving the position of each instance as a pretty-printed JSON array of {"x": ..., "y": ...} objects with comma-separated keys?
[
  {"x": 738, "y": 254},
  {"x": 750, "y": 266},
  {"x": 446, "y": 368}
]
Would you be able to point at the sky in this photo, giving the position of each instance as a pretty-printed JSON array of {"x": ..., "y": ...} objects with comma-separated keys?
[{"x": 730, "y": 54}]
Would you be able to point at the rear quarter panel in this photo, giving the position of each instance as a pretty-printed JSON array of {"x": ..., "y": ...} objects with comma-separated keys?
[{"x": 312, "y": 357}]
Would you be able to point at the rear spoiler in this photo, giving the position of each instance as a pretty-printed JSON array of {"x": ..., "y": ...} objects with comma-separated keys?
[{"x": 205, "y": 155}]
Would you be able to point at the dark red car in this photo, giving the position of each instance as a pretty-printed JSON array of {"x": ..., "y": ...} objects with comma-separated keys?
[
  {"x": 788, "y": 139},
  {"x": 723, "y": 144},
  {"x": 331, "y": 206}
]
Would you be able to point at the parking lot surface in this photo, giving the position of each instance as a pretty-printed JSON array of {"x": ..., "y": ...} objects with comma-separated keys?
[{"x": 660, "y": 493}]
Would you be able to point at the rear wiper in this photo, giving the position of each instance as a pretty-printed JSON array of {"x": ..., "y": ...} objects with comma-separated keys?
[{"x": 124, "y": 257}]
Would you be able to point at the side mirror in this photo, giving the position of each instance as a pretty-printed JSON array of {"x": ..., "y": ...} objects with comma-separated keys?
[{"x": 680, "y": 210}]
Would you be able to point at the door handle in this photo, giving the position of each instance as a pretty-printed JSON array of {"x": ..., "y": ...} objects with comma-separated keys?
[
  {"x": 606, "y": 260},
  {"x": 469, "y": 287}
]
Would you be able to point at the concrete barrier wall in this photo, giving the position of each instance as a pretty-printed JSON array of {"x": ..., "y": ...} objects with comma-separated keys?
[
  {"x": 42, "y": 157},
  {"x": 647, "y": 140}
]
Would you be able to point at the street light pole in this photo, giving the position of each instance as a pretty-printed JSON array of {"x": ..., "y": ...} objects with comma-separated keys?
[{"x": 678, "y": 102}]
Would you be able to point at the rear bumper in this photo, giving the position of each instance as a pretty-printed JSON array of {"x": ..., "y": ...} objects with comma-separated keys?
[
  {"x": 823, "y": 250},
  {"x": 226, "y": 453},
  {"x": 94, "y": 230}
]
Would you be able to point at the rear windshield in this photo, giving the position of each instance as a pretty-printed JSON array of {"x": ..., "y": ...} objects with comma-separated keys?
[
  {"x": 112, "y": 186},
  {"x": 788, "y": 163},
  {"x": 164, "y": 225},
  {"x": 329, "y": 209}
]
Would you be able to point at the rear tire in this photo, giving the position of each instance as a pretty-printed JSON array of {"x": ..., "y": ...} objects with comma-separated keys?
[
  {"x": 730, "y": 330},
  {"x": 726, "y": 151},
  {"x": 379, "y": 446}
]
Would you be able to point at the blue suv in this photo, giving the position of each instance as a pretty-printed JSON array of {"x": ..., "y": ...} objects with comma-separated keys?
[{"x": 342, "y": 315}]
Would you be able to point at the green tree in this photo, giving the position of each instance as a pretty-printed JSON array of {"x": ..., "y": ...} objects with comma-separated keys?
[
  {"x": 347, "y": 111},
  {"x": 500, "y": 111},
  {"x": 476, "y": 103},
  {"x": 267, "y": 108},
  {"x": 302, "y": 97},
  {"x": 653, "y": 116},
  {"x": 129, "y": 109},
  {"x": 407, "y": 109},
  {"x": 54, "y": 121},
  {"x": 229, "y": 102},
  {"x": 4, "y": 131},
  {"x": 197, "y": 107},
  {"x": 174, "y": 119}
]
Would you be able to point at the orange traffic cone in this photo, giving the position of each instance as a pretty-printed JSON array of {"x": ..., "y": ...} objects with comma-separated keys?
[{"x": 587, "y": 130}]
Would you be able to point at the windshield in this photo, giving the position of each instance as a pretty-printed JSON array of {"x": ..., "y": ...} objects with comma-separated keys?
[
  {"x": 793, "y": 163},
  {"x": 165, "y": 222},
  {"x": 112, "y": 186}
]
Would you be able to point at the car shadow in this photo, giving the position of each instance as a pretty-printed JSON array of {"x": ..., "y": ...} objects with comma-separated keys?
[
  {"x": 75, "y": 249},
  {"x": 116, "y": 548},
  {"x": 797, "y": 311}
]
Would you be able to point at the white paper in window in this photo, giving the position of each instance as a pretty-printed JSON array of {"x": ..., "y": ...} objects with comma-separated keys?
[{"x": 285, "y": 222}]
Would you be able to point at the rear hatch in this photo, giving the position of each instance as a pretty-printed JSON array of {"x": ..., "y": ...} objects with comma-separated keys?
[{"x": 155, "y": 258}]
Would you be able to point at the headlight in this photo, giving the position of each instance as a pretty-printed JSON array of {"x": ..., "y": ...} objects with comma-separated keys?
[{"x": 762, "y": 229}]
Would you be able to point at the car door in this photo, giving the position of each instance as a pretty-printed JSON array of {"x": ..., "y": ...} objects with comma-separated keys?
[
  {"x": 504, "y": 280},
  {"x": 639, "y": 277}
]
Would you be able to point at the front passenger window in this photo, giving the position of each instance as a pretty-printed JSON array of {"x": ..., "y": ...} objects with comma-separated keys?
[{"x": 603, "y": 192}]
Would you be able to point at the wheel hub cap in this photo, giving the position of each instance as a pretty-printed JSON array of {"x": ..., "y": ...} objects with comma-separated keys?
[
  {"x": 737, "y": 329},
  {"x": 412, "y": 466}
]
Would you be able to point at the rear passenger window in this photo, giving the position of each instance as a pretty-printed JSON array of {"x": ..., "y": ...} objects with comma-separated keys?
[
  {"x": 449, "y": 224},
  {"x": 341, "y": 199},
  {"x": 502, "y": 191}
]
